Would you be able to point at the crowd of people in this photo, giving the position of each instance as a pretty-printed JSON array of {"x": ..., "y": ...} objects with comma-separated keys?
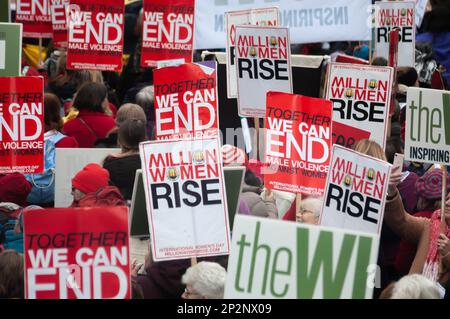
[{"x": 88, "y": 109}]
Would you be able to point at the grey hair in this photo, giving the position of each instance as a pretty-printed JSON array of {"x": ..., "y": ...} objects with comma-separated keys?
[
  {"x": 130, "y": 111},
  {"x": 313, "y": 205},
  {"x": 415, "y": 286},
  {"x": 146, "y": 96},
  {"x": 207, "y": 279}
]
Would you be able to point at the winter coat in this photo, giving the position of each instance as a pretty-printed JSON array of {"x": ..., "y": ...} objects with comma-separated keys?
[{"x": 258, "y": 206}]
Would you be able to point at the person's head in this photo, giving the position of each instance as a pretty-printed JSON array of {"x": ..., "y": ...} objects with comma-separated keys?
[
  {"x": 131, "y": 133},
  {"x": 91, "y": 97},
  {"x": 415, "y": 286},
  {"x": 407, "y": 76},
  {"x": 251, "y": 179},
  {"x": 14, "y": 188},
  {"x": 146, "y": 97},
  {"x": 90, "y": 179},
  {"x": 429, "y": 190},
  {"x": 379, "y": 61},
  {"x": 205, "y": 280},
  {"x": 130, "y": 111},
  {"x": 370, "y": 148},
  {"x": 11, "y": 275},
  {"x": 393, "y": 145},
  {"x": 52, "y": 112},
  {"x": 309, "y": 210}
]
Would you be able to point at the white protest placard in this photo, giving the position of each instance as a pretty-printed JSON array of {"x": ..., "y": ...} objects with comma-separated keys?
[
  {"x": 427, "y": 135},
  {"x": 263, "y": 63},
  {"x": 309, "y": 20},
  {"x": 186, "y": 200},
  {"x": 355, "y": 192},
  {"x": 261, "y": 17},
  {"x": 277, "y": 259},
  {"x": 401, "y": 15},
  {"x": 361, "y": 100},
  {"x": 70, "y": 161}
]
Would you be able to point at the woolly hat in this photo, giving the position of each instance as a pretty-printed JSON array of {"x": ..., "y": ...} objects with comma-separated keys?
[
  {"x": 233, "y": 156},
  {"x": 91, "y": 178},
  {"x": 429, "y": 186},
  {"x": 14, "y": 188}
]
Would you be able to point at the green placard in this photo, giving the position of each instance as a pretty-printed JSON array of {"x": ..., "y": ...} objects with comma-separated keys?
[
  {"x": 5, "y": 14},
  {"x": 233, "y": 176},
  {"x": 10, "y": 49}
]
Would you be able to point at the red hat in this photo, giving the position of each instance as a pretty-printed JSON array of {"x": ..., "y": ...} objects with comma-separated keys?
[
  {"x": 429, "y": 185},
  {"x": 14, "y": 188},
  {"x": 91, "y": 178},
  {"x": 233, "y": 156}
]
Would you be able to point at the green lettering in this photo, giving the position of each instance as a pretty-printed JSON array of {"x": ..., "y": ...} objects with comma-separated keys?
[
  {"x": 276, "y": 271},
  {"x": 256, "y": 247},
  {"x": 446, "y": 105},
  {"x": 242, "y": 244},
  {"x": 435, "y": 125},
  {"x": 412, "y": 107},
  {"x": 362, "y": 262},
  {"x": 322, "y": 264}
]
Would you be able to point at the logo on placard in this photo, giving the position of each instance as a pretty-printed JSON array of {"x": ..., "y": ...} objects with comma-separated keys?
[
  {"x": 347, "y": 181},
  {"x": 198, "y": 157},
  {"x": 370, "y": 173},
  {"x": 349, "y": 93},
  {"x": 173, "y": 174},
  {"x": 253, "y": 51},
  {"x": 372, "y": 84},
  {"x": 273, "y": 41}
]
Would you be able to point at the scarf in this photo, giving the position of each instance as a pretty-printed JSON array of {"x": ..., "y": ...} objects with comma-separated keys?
[{"x": 431, "y": 267}]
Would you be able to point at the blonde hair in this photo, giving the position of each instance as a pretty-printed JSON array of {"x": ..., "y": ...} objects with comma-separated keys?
[{"x": 370, "y": 148}]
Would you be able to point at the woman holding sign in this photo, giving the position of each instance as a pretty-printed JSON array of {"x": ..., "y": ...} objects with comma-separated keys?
[{"x": 431, "y": 237}]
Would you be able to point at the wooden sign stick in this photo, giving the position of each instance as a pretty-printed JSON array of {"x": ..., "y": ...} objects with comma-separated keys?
[
  {"x": 298, "y": 203},
  {"x": 444, "y": 195},
  {"x": 193, "y": 261},
  {"x": 40, "y": 52},
  {"x": 256, "y": 151}
]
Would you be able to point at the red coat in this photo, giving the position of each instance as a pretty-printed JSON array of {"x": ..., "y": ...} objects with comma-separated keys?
[
  {"x": 96, "y": 126},
  {"x": 67, "y": 142}
]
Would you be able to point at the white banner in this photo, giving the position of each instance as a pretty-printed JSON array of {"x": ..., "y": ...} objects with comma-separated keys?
[
  {"x": 261, "y": 17},
  {"x": 399, "y": 15},
  {"x": 276, "y": 259},
  {"x": 186, "y": 200},
  {"x": 308, "y": 20},
  {"x": 356, "y": 191},
  {"x": 263, "y": 63},
  {"x": 70, "y": 161},
  {"x": 427, "y": 136},
  {"x": 361, "y": 96}
]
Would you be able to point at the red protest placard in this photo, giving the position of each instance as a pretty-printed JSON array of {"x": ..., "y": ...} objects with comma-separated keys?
[
  {"x": 185, "y": 102},
  {"x": 21, "y": 124},
  {"x": 95, "y": 35},
  {"x": 77, "y": 253},
  {"x": 167, "y": 31},
  {"x": 298, "y": 143},
  {"x": 36, "y": 18},
  {"x": 347, "y": 135},
  {"x": 59, "y": 20}
]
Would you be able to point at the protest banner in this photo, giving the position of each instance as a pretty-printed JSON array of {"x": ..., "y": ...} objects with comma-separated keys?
[
  {"x": 95, "y": 35},
  {"x": 59, "y": 10},
  {"x": 167, "y": 31},
  {"x": 309, "y": 20},
  {"x": 356, "y": 191},
  {"x": 344, "y": 58},
  {"x": 233, "y": 177},
  {"x": 186, "y": 200},
  {"x": 5, "y": 11},
  {"x": 263, "y": 63},
  {"x": 77, "y": 253},
  {"x": 70, "y": 161},
  {"x": 427, "y": 134},
  {"x": 36, "y": 18},
  {"x": 396, "y": 15},
  {"x": 185, "y": 102},
  {"x": 259, "y": 17},
  {"x": 361, "y": 96},
  {"x": 298, "y": 143},
  {"x": 276, "y": 259},
  {"x": 21, "y": 125},
  {"x": 10, "y": 49}
]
